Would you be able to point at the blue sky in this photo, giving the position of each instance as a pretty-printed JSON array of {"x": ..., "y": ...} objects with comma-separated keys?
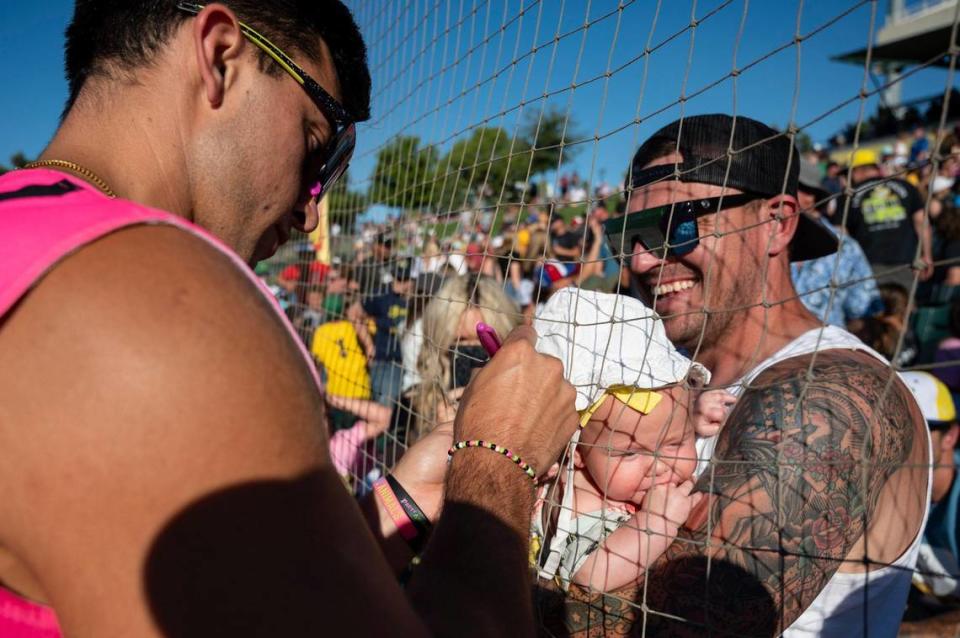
[{"x": 441, "y": 67}]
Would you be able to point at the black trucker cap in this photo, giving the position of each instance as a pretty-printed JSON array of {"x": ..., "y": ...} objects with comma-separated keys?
[{"x": 739, "y": 153}]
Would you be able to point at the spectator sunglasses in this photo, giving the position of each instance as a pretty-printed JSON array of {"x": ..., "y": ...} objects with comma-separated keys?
[
  {"x": 343, "y": 139},
  {"x": 667, "y": 231}
]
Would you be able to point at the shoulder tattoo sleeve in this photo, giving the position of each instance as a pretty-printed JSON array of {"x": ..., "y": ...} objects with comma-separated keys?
[{"x": 793, "y": 484}]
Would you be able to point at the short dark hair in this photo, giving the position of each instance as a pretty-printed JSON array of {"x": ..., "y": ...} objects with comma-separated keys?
[
  {"x": 895, "y": 299},
  {"x": 878, "y": 333},
  {"x": 107, "y": 36}
]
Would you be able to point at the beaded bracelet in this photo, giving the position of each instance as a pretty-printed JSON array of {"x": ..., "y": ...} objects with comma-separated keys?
[{"x": 499, "y": 449}]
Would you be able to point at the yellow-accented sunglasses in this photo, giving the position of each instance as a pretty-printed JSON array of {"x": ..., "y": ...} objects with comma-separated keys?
[{"x": 339, "y": 150}]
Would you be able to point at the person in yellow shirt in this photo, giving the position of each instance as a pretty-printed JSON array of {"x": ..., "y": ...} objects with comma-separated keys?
[
  {"x": 336, "y": 347},
  {"x": 523, "y": 240}
]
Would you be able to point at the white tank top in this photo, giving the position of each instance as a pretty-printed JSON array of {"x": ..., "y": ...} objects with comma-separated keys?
[{"x": 862, "y": 604}]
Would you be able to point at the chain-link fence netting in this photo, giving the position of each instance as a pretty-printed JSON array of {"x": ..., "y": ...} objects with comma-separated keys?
[{"x": 496, "y": 182}]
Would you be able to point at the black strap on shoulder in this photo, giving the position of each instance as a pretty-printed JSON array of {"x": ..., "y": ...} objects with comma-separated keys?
[{"x": 48, "y": 190}]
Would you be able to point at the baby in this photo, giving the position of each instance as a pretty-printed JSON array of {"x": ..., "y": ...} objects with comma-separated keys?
[{"x": 626, "y": 488}]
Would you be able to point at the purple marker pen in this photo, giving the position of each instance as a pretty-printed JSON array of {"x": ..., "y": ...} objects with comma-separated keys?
[{"x": 488, "y": 338}]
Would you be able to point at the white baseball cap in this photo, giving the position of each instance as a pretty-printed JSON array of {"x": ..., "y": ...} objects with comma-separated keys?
[{"x": 934, "y": 397}]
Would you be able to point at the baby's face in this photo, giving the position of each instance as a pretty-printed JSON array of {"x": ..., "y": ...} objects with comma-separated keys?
[{"x": 625, "y": 453}]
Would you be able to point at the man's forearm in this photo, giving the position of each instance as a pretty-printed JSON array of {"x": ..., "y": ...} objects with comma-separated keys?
[
  {"x": 585, "y": 613},
  {"x": 474, "y": 578},
  {"x": 478, "y": 551}
]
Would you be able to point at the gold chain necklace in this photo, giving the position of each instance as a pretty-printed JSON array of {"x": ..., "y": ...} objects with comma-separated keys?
[{"x": 92, "y": 177}]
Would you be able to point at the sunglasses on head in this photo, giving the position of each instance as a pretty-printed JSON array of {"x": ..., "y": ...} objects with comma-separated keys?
[
  {"x": 667, "y": 231},
  {"x": 343, "y": 138}
]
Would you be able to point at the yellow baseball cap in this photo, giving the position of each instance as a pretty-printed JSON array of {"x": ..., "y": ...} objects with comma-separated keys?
[
  {"x": 932, "y": 395},
  {"x": 863, "y": 157}
]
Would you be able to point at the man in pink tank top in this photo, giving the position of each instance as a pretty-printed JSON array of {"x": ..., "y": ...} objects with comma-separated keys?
[
  {"x": 164, "y": 461},
  {"x": 817, "y": 491}
]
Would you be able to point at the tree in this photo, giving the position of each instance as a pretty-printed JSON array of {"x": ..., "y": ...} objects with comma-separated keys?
[
  {"x": 803, "y": 142},
  {"x": 480, "y": 166},
  {"x": 549, "y": 134},
  {"x": 404, "y": 173},
  {"x": 484, "y": 166}
]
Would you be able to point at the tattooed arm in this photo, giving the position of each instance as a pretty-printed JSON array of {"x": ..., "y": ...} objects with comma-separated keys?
[{"x": 796, "y": 474}]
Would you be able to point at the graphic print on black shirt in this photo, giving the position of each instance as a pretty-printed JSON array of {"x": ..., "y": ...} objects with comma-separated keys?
[{"x": 881, "y": 219}]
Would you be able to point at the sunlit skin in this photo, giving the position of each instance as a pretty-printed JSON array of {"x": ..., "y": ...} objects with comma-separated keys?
[
  {"x": 641, "y": 465},
  {"x": 219, "y": 115},
  {"x": 169, "y": 409},
  {"x": 467, "y": 328},
  {"x": 729, "y": 318},
  {"x": 732, "y": 304}
]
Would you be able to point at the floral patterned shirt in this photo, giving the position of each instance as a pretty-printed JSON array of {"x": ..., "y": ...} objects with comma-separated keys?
[{"x": 849, "y": 273}]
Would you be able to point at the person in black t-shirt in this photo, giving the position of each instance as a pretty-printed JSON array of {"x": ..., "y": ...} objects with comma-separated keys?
[
  {"x": 564, "y": 241},
  {"x": 370, "y": 272},
  {"x": 886, "y": 217}
]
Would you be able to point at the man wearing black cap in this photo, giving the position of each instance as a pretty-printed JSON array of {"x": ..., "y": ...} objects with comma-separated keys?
[{"x": 816, "y": 488}]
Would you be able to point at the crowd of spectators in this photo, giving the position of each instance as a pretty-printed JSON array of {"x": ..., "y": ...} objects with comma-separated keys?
[
  {"x": 381, "y": 283},
  {"x": 875, "y": 203},
  {"x": 898, "y": 267}
]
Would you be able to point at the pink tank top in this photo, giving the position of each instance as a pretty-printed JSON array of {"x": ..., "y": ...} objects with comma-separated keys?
[{"x": 44, "y": 217}]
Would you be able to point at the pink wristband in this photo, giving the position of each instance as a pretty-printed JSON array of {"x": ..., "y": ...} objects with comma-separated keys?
[{"x": 404, "y": 525}]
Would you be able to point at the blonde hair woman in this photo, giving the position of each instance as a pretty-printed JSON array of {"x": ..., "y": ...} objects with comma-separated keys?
[{"x": 451, "y": 348}]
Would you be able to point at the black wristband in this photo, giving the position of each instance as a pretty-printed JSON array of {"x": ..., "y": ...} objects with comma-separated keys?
[{"x": 410, "y": 507}]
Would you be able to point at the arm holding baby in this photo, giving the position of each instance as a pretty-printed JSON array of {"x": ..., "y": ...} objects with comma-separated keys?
[{"x": 626, "y": 553}]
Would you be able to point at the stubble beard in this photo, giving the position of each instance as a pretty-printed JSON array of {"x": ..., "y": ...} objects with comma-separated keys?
[{"x": 701, "y": 331}]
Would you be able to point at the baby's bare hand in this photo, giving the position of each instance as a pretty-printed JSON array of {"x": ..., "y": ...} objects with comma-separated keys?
[
  {"x": 710, "y": 411},
  {"x": 671, "y": 502}
]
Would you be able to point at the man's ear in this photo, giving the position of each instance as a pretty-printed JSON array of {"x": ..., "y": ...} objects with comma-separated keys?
[
  {"x": 784, "y": 211},
  {"x": 217, "y": 41}
]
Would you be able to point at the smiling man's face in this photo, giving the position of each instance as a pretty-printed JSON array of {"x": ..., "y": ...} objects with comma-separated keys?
[{"x": 701, "y": 294}]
